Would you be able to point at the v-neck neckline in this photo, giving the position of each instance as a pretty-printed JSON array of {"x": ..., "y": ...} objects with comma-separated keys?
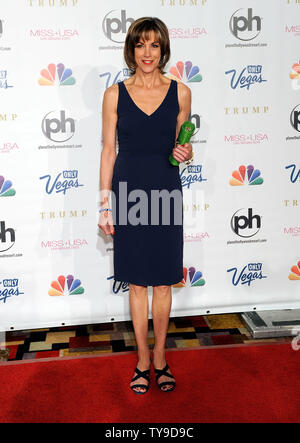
[{"x": 148, "y": 115}]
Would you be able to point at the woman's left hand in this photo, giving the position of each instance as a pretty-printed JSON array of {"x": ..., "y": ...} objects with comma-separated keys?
[{"x": 181, "y": 153}]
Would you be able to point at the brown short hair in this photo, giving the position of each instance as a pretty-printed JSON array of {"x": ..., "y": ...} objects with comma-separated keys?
[{"x": 140, "y": 29}]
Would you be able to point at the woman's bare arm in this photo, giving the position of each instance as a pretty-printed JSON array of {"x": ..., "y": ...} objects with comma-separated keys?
[
  {"x": 184, "y": 99},
  {"x": 108, "y": 155}
]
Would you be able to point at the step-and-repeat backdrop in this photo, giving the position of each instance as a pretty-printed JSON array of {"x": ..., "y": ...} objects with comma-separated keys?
[{"x": 240, "y": 59}]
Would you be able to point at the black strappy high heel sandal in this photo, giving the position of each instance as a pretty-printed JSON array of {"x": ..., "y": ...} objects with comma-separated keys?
[
  {"x": 141, "y": 374},
  {"x": 164, "y": 371}
]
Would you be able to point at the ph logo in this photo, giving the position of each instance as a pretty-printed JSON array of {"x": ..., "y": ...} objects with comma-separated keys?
[
  {"x": 58, "y": 129},
  {"x": 295, "y": 118},
  {"x": 196, "y": 119},
  {"x": 115, "y": 27},
  {"x": 243, "y": 27},
  {"x": 7, "y": 237},
  {"x": 245, "y": 226}
]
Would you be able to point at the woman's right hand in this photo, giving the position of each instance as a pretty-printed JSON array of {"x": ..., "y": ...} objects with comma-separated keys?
[{"x": 106, "y": 222}]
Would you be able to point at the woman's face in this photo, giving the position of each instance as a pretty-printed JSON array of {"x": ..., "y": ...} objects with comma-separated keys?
[{"x": 147, "y": 54}]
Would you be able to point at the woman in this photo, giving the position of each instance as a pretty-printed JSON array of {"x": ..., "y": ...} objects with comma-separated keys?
[{"x": 147, "y": 110}]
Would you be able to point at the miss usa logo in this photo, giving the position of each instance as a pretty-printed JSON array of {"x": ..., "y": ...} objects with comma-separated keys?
[
  {"x": 63, "y": 182},
  {"x": 248, "y": 76}
]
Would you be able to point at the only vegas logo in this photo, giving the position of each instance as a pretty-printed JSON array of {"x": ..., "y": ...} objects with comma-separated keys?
[
  {"x": 247, "y": 274},
  {"x": 63, "y": 182},
  {"x": 9, "y": 287},
  {"x": 294, "y": 172},
  {"x": 246, "y": 77}
]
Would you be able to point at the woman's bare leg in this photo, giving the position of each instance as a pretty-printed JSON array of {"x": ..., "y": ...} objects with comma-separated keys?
[
  {"x": 139, "y": 308},
  {"x": 161, "y": 307}
]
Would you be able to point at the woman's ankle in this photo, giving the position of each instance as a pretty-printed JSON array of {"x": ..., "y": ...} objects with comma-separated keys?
[
  {"x": 144, "y": 359},
  {"x": 159, "y": 357}
]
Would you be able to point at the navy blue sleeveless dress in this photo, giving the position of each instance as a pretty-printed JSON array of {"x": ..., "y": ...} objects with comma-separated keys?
[{"x": 148, "y": 243}]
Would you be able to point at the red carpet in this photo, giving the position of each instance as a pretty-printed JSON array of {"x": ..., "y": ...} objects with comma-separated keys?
[{"x": 240, "y": 384}]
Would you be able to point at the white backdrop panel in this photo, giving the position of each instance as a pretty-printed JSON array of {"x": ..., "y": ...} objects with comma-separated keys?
[{"x": 241, "y": 249}]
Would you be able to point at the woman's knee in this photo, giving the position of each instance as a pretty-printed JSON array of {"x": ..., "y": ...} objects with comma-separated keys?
[
  {"x": 162, "y": 289},
  {"x": 137, "y": 289}
]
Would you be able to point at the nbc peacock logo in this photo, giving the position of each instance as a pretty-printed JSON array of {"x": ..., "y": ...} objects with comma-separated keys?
[
  {"x": 295, "y": 274},
  {"x": 65, "y": 286},
  {"x": 185, "y": 72},
  {"x": 56, "y": 73},
  {"x": 195, "y": 278},
  {"x": 6, "y": 189},
  {"x": 295, "y": 76},
  {"x": 246, "y": 175}
]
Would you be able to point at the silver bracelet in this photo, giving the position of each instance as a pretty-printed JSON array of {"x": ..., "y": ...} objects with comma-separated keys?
[{"x": 105, "y": 209}]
